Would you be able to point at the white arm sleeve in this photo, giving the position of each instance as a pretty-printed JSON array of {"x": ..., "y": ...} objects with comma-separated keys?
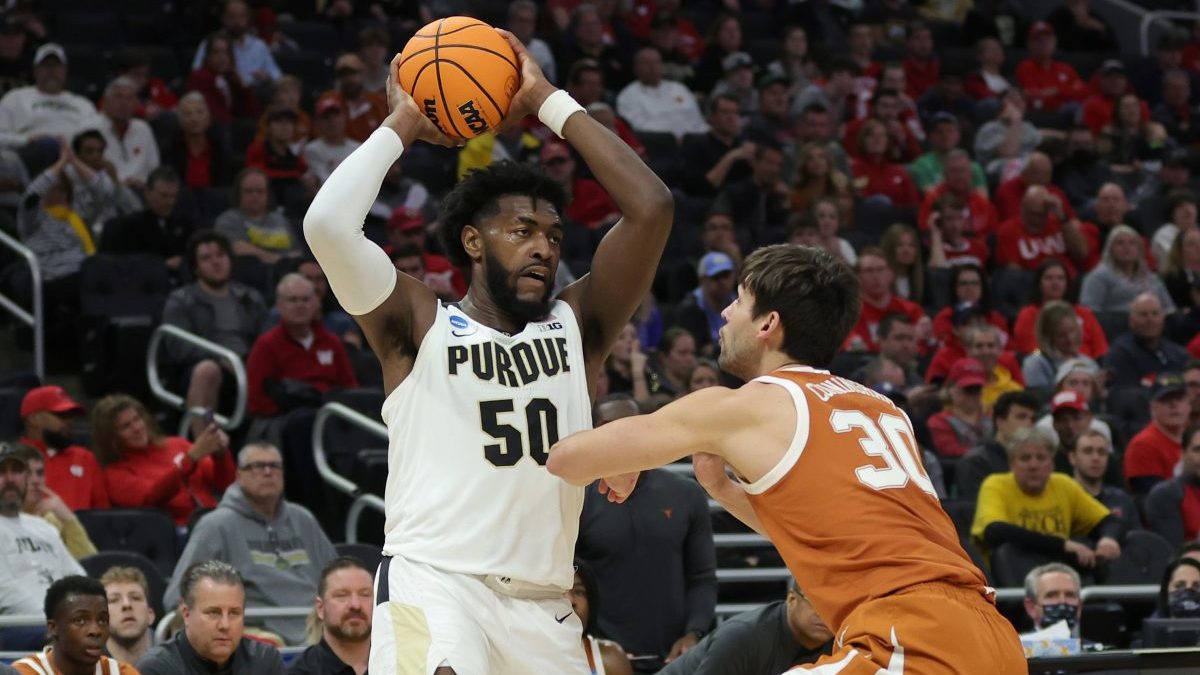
[{"x": 359, "y": 272}]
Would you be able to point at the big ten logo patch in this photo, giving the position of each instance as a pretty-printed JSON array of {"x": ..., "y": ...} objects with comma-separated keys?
[
  {"x": 431, "y": 113},
  {"x": 472, "y": 117}
]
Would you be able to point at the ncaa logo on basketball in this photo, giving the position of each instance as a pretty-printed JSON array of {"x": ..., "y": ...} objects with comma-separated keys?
[
  {"x": 461, "y": 327},
  {"x": 472, "y": 117}
]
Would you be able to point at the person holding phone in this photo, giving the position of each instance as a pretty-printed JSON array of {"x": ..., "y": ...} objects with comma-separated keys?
[{"x": 145, "y": 469}]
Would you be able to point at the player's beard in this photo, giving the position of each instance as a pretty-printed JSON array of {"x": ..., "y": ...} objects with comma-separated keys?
[{"x": 504, "y": 293}]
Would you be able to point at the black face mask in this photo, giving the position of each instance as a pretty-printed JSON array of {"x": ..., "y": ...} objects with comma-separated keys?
[
  {"x": 57, "y": 440},
  {"x": 1052, "y": 614},
  {"x": 1184, "y": 603}
]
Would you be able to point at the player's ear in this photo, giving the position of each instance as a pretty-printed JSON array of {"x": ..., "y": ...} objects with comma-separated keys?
[{"x": 472, "y": 242}]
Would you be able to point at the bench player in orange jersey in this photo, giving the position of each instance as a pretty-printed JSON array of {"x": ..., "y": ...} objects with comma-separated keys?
[{"x": 826, "y": 468}]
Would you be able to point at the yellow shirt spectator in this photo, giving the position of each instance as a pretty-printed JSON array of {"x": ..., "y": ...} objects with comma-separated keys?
[{"x": 1063, "y": 509}]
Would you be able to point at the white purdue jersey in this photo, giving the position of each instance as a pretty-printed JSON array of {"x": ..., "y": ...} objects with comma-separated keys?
[{"x": 470, "y": 431}]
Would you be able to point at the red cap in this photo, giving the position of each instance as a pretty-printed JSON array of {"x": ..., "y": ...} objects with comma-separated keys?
[
  {"x": 405, "y": 219},
  {"x": 1040, "y": 28},
  {"x": 1068, "y": 399},
  {"x": 967, "y": 373},
  {"x": 328, "y": 103},
  {"x": 48, "y": 399}
]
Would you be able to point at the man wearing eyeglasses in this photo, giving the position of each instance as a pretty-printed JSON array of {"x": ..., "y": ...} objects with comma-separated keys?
[{"x": 276, "y": 545}]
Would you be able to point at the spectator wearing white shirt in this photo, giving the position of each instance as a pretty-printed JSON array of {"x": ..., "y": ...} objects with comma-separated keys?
[
  {"x": 45, "y": 110},
  {"x": 255, "y": 65},
  {"x": 657, "y": 105},
  {"x": 32, "y": 554},
  {"x": 331, "y": 147},
  {"x": 130, "y": 144},
  {"x": 522, "y": 22}
]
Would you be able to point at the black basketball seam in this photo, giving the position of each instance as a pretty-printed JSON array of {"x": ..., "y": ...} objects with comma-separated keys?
[
  {"x": 457, "y": 46},
  {"x": 480, "y": 87},
  {"x": 478, "y": 24},
  {"x": 421, "y": 104},
  {"x": 438, "y": 69}
]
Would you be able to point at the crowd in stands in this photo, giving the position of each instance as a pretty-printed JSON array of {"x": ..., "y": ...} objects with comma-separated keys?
[{"x": 1018, "y": 195}]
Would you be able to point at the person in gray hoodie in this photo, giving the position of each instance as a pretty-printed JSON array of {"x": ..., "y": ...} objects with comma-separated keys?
[{"x": 277, "y": 546}]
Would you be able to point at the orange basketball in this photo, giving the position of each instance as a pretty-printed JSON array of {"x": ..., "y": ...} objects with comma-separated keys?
[{"x": 462, "y": 73}]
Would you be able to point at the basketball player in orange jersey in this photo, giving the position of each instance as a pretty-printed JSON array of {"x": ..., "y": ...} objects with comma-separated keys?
[{"x": 826, "y": 468}]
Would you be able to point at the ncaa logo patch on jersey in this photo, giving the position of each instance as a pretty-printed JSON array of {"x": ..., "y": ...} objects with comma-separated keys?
[{"x": 461, "y": 327}]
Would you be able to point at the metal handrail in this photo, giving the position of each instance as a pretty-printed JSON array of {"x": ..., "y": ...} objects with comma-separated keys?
[
  {"x": 164, "y": 624},
  {"x": 35, "y": 319},
  {"x": 178, "y": 402},
  {"x": 361, "y": 500},
  {"x": 1156, "y": 15}
]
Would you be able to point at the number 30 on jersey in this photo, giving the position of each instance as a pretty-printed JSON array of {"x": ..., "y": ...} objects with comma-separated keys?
[{"x": 890, "y": 439}]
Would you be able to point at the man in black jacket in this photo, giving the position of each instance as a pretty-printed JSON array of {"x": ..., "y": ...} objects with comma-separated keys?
[
  {"x": 770, "y": 639},
  {"x": 213, "y": 608},
  {"x": 1170, "y": 506},
  {"x": 344, "y": 606},
  {"x": 155, "y": 230}
]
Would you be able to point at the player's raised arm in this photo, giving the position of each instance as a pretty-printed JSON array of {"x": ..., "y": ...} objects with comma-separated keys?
[
  {"x": 393, "y": 309},
  {"x": 625, "y": 262}
]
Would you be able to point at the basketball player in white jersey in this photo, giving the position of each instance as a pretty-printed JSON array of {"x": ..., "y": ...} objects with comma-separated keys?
[{"x": 479, "y": 538}]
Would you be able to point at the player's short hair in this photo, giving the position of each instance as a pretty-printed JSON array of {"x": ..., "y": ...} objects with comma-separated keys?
[
  {"x": 477, "y": 197},
  {"x": 125, "y": 575},
  {"x": 215, "y": 571},
  {"x": 1010, "y": 399},
  {"x": 67, "y": 586},
  {"x": 1040, "y": 571},
  {"x": 815, "y": 294},
  {"x": 342, "y": 562}
]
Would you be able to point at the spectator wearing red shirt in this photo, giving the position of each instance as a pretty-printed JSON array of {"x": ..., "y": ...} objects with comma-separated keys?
[
  {"x": 963, "y": 424},
  {"x": 589, "y": 204},
  {"x": 1098, "y": 108},
  {"x": 217, "y": 79},
  {"x": 989, "y": 81},
  {"x": 979, "y": 218},
  {"x": 273, "y": 154},
  {"x": 1153, "y": 454},
  {"x": 875, "y": 279},
  {"x": 1052, "y": 282},
  {"x": 71, "y": 470},
  {"x": 144, "y": 469},
  {"x": 1038, "y": 170},
  {"x": 298, "y": 349},
  {"x": 921, "y": 69},
  {"x": 154, "y": 96},
  {"x": 1049, "y": 85},
  {"x": 948, "y": 244},
  {"x": 198, "y": 152},
  {"x": 964, "y": 318},
  {"x": 887, "y": 107},
  {"x": 1042, "y": 230},
  {"x": 875, "y": 175},
  {"x": 970, "y": 297},
  {"x": 406, "y": 227}
]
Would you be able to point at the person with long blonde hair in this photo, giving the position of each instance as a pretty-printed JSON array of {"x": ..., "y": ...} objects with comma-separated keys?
[
  {"x": 818, "y": 178},
  {"x": 145, "y": 469},
  {"x": 902, "y": 249}
]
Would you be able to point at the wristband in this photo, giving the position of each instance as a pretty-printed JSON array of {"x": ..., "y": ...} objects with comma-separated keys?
[{"x": 556, "y": 109}]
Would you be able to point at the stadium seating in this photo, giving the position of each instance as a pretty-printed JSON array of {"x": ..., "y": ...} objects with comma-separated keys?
[{"x": 147, "y": 532}]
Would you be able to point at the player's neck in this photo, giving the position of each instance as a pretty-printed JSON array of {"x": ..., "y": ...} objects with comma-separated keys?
[
  {"x": 483, "y": 308},
  {"x": 128, "y": 652},
  {"x": 772, "y": 361}
]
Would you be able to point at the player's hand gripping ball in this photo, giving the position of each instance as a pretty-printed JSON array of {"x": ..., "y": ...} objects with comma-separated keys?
[{"x": 461, "y": 73}]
